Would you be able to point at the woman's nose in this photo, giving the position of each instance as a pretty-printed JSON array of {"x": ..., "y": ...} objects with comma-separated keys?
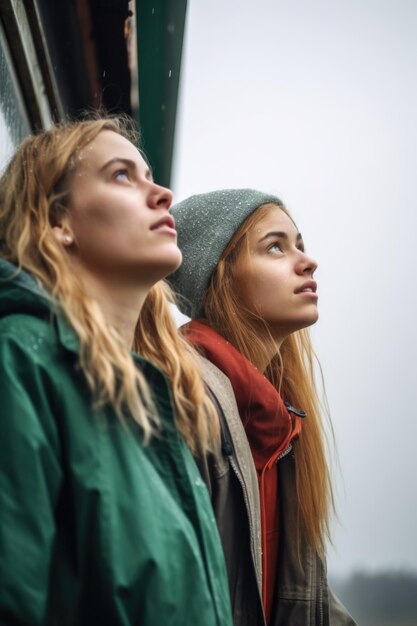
[
  {"x": 306, "y": 264},
  {"x": 161, "y": 197}
]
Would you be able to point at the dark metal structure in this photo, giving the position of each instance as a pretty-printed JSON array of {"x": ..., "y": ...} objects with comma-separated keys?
[
  {"x": 161, "y": 26},
  {"x": 58, "y": 59}
]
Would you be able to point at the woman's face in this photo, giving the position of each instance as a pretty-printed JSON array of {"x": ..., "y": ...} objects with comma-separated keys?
[
  {"x": 118, "y": 225},
  {"x": 275, "y": 279}
]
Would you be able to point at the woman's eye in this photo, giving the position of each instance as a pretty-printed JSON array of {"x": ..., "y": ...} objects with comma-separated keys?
[
  {"x": 274, "y": 248},
  {"x": 121, "y": 175}
]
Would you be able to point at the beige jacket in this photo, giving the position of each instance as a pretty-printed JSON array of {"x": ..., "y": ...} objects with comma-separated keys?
[{"x": 302, "y": 596}]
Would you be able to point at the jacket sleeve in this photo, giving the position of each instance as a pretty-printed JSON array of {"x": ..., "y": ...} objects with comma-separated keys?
[
  {"x": 339, "y": 616},
  {"x": 30, "y": 474}
]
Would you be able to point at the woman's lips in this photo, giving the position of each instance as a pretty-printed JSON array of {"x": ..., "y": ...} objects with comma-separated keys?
[
  {"x": 308, "y": 289},
  {"x": 165, "y": 225}
]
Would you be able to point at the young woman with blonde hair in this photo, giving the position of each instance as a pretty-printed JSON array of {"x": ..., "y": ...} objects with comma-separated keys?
[
  {"x": 248, "y": 286},
  {"x": 104, "y": 517}
]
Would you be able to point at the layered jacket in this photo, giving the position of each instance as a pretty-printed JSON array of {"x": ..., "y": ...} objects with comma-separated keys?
[
  {"x": 302, "y": 596},
  {"x": 95, "y": 526}
]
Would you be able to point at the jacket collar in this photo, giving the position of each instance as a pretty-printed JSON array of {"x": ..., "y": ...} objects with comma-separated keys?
[
  {"x": 21, "y": 292},
  {"x": 267, "y": 422}
]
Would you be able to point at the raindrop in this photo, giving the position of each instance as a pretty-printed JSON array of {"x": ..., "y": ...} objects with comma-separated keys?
[
  {"x": 169, "y": 73},
  {"x": 104, "y": 73}
]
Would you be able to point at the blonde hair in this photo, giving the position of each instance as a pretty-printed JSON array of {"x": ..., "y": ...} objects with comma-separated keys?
[
  {"x": 291, "y": 372},
  {"x": 34, "y": 194},
  {"x": 158, "y": 339}
]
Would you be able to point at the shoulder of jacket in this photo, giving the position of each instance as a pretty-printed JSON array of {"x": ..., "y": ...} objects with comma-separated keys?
[
  {"x": 17, "y": 323},
  {"x": 29, "y": 334},
  {"x": 218, "y": 382},
  {"x": 221, "y": 387}
]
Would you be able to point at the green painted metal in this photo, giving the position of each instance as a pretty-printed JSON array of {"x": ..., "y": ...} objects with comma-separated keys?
[{"x": 160, "y": 33}]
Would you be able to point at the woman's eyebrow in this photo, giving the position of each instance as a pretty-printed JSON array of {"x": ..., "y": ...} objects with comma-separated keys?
[
  {"x": 280, "y": 234},
  {"x": 129, "y": 163}
]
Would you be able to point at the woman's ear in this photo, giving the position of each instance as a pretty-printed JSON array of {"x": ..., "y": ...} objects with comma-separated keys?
[{"x": 63, "y": 232}]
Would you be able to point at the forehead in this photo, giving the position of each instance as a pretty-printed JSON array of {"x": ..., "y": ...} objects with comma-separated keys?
[
  {"x": 106, "y": 146},
  {"x": 276, "y": 220}
]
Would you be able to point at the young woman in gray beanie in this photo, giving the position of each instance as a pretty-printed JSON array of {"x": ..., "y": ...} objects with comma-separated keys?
[{"x": 249, "y": 287}]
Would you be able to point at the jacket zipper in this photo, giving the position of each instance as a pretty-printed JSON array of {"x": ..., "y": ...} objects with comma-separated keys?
[{"x": 283, "y": 454}]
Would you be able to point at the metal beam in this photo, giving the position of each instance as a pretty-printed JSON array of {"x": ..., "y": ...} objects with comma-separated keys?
[
  {"x": 160, "y": 32},
  {"x": 19, "y": 35}
]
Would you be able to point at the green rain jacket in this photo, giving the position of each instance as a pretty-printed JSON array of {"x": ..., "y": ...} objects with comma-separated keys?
[{"x": 95, "y": 528}]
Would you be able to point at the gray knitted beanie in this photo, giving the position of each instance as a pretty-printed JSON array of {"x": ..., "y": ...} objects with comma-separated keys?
[{"x": 205, "y": 225}]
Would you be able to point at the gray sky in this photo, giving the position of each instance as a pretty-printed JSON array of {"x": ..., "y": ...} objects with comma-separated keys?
[{"x": 317, "y": 102}]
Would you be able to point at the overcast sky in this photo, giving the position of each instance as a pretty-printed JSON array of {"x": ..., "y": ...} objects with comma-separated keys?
[{"x": 317, "y": 102}]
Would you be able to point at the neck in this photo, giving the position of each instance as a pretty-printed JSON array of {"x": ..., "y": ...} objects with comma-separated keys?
[{"x": 120, "y": 303}]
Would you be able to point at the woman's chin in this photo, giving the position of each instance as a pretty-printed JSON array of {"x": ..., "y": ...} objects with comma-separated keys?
[{"x": 173, "y": 262}]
